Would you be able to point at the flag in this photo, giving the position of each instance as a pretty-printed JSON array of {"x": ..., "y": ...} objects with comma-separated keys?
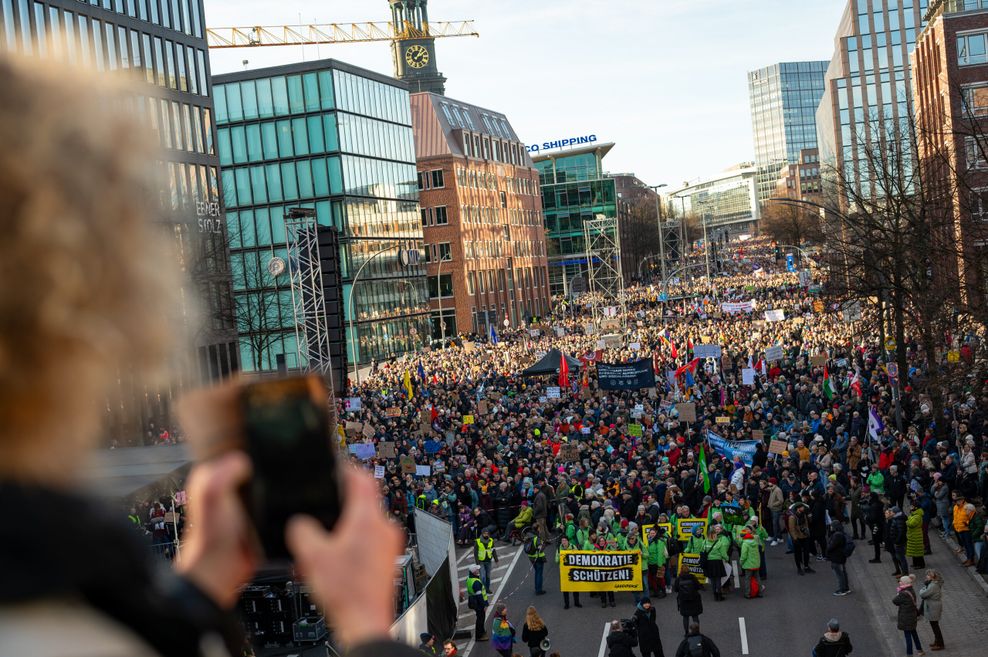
[
  {"x": 828, "y": 387},
  {"x": 563, "y": 371},
  {"x": 407, "y": 382},
  {"x": 421, "y": 371},
  {"x": 703, "y": 470},
  {"x": 493, "y": 335},
  {"x": 875, "y": 424}
]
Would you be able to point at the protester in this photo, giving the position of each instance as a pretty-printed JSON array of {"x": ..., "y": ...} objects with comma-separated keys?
[
  {"x": 932, "y": 605},
  {"x": 834, "y": 642}
]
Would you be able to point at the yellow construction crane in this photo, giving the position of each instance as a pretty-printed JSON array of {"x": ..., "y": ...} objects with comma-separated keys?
[{"x": 312, "y": 35}]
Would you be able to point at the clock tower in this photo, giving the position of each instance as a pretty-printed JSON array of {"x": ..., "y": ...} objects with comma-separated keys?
[{"x": 415, "y": 55}]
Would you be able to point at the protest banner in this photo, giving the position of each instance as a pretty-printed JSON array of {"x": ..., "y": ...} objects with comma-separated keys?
[
  {"x": 775, "y": 315},
  {"x": 569, "y": 452},
  {"x": 692, "y": 563},
  {"x": 686, "y": 526},
  {"x": 731, "y": 448},
  {"x": 363, "y": 451},
  {"x": 552, "y": 392},
  {"x": 583, "y": 571},
  {"x": 628, "y": 376},
  {"x": 386, "y": 450},
  {"x": 686, "y": 412},
  {"x": 777, "y": 446},
  {"x": 733, "y": 308},
  {"x": 706, "y": 351},
  {"x": 773, "y": 353}
]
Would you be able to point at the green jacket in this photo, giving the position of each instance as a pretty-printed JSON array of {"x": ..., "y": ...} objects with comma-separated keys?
[
  {"x": 717, "y": 549},
  {"x": 751, "y": 558},
  {"x": 914, "y": 533},
  {"x": 657, "y": 553},
  {"x": 876, "y": 481}
]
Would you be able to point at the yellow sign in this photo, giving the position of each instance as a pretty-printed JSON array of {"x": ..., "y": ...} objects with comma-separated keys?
[
  {"x": 647, "y": 528},
  {"x": 687, "y": 525},
  {"x": 692, "y": 562},
  {"x": 586, "y": 570},
  {"x": 467, "y": 419}
]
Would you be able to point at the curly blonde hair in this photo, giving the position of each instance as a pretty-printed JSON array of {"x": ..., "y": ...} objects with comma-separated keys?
[{"x": 87, "y": 283}]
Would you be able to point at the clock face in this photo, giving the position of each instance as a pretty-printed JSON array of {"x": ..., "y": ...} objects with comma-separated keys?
[{"x": 417, "y": 56}]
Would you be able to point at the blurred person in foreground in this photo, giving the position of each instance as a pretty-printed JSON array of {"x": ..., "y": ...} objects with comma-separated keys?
[{"x": 85, "y": 289}]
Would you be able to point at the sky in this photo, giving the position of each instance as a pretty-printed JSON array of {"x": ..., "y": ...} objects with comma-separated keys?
[{"x": 665, "y": 80}]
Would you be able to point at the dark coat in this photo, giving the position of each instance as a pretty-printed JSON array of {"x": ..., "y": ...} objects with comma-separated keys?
[
  {"x": 620, "y": 644},
  {"x": 908, "y": 614},
  {"x": 648, "y": 631},
  {"x": 688, "y": 599}
]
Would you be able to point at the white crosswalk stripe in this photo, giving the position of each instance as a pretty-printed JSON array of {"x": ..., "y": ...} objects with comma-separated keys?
[{"x": 467, "y": 618}]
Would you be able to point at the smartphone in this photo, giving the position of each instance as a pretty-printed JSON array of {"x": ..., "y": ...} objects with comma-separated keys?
[{"x": 288, "y": 435}]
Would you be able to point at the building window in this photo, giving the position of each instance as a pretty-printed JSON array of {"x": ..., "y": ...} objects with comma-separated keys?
[
  {"x": 441, "y": 217},
  {"x": 437, "y": 179},
  {"x": 972, "y": 49}
]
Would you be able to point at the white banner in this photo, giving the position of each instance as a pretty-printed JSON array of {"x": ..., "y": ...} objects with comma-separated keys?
[
  {"x": 734, "y": 307},
  {"x": 706, "y": 351}
]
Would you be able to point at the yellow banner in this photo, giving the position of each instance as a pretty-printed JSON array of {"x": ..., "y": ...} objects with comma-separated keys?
[
  {"x": 692, "y": 562},
  {"x": 686, "y": 526},
  {"x": 586, "y": 570}
]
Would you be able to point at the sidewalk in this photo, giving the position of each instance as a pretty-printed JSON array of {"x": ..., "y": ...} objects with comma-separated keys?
[{"x": 965, "y": 604}]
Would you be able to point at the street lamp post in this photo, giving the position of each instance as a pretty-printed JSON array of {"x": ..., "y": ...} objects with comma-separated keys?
[{"x": 353, "y": 288}]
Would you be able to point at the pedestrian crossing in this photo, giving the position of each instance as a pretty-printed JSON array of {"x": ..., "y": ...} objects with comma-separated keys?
[{"x": 508, "y": 556}]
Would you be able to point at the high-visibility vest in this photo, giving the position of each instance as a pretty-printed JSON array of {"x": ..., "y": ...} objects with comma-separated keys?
[
  {"x": 485, "y": 552},
  {"x": 483, "y": 590},
  {"x": 538, "y": 552}
]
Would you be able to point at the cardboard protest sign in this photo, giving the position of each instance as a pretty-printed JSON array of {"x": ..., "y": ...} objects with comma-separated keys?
[
  {"x": 687, "y": 412},
  {"x": 586, "y": 570},
  {"x": 776, "y": 446}
]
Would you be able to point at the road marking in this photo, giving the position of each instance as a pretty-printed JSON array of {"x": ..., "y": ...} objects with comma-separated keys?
[
  {"x": 744, "y": 636},
  {"x": 737, "y": 575},
  {"x": 603, "y": 640},
  {"x": 493, "y": 601}
]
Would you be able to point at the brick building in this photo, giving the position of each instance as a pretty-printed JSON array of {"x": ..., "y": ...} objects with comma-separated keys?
[
  {"x": 481, "y": 217},
  {"x": 801, "y": 180},
  {"x": 950, "y": 83}
]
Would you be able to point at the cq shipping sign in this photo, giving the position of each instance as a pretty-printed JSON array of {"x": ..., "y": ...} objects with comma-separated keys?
[
  {"x": 584, "y": 570},
  {"x": 561, "y": 143}
]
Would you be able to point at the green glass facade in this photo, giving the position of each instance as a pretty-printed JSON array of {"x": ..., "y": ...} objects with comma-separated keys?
[
  {"x": 573, "y": 189},
  {"x": 337, "y": 139}
]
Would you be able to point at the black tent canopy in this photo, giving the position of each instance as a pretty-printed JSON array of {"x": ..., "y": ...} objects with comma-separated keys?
[{"x": 550, "y": 364}]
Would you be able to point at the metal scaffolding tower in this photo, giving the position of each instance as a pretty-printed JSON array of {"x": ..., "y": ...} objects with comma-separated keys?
[
  {"x": 603, "y": 248},
  {"x": 308, "y": 297}
]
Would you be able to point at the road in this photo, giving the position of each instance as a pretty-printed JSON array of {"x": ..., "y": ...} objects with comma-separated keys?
[{"x": 787, "y": 621}]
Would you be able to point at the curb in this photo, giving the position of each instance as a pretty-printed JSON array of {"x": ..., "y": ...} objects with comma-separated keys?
[{"x": 974, "y": 574}]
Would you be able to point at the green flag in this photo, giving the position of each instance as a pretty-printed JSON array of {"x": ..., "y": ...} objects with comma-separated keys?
[{"x": 703, "y": 469}]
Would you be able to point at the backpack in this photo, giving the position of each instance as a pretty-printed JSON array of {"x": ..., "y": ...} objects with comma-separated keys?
[
  {"x": 694, "y": 646},
  {"x": 849, "y": 546}
]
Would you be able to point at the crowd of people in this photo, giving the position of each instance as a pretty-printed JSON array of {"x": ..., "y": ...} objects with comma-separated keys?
[{"x": 842, "y": 453}]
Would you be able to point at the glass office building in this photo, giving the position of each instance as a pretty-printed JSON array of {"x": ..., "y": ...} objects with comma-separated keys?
[
  {"x": 574, "y": 188},
  {"x": 161, "y": 45},
  {"x": 868, "y": 93},
  {"x": 337, "y": 139},
  {"x": 784, "y": 98}
]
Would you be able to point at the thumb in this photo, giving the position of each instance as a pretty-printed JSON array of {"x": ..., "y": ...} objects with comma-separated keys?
[{"x": 304, "y": 534}]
